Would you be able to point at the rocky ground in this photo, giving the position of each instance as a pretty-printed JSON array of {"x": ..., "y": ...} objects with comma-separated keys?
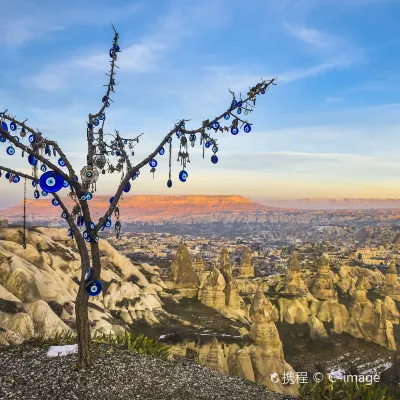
[{"x": 27, "y": 373}]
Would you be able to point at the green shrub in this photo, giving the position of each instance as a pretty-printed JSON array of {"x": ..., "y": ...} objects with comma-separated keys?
[
  {"x": 341, "y": 390},
  {"x": 139, "y": 343}
]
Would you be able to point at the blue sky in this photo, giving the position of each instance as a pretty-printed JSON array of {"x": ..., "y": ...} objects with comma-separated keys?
[{"x": 330, "y": 128}]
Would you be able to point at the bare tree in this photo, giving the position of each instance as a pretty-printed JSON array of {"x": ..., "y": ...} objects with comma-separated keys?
[{"x": 107, "y": 153}]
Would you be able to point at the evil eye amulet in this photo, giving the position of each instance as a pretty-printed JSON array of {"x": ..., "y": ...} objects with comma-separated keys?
[
  {"x": 65, "y": 184},
  {"x": 169, "y": 183},
  {"x": 36, "y": 194},
  {"x": 32, "y": 138},
  {"x": 127, "y": 188},
  {"x": 43, "y": 168},
  {"x": 215, "y": 125},
  {"x": 183, "y": 175},
  {"x": 247, "y": 128},
  {"x": 235, "y": 131},
  {"x": 239, "y": 110},
  {"x": 61, "y": 162},
  {"x": 169, "y": 140},
  {"x": 51, "y": 182},
  {"x": 4, "y": 126},
  {"x": 64, "y": 215},
  {"x": 153, "y": 163},
  {"x": 161, "y": 151},
  {"x": 108, "y": 224},
  {"x": 94, "y": 288},
  {"x": 10, "y": 150},
  {"x": 214, "y": 159},
  {"x": 91, "y": 225},
  {"x": 227, "y": 116},
  {"x": 16, "y": 179},
  {"x": 69, "y": 232},
  {"x": 88, "y": 196},
  {"x": 13, "y": 126},
  {"x": 44, "y": 193},
  {"x": 208, "y": 144},
  {"x": 55, "y": 202},
  {"x": 2, "y": 138},
  {"x": 96, "y": 122}
]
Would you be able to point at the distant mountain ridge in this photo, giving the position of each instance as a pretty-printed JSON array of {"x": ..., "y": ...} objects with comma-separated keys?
[
  {"x": 333, "y": 203},
  {"x": 146, "y": 208}
]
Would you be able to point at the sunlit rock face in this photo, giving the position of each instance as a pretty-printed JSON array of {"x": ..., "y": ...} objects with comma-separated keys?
[
  {"x": 247, "y": 264},
  {"x": 38, "y": 287},
  {"x": 372, "y": 321},
  {"x": 348, "y": 276},
  {"x": 391, "y": 285},
  {"x": 293, "y": 284},
  {"x": 232, "y": 298},
  {"x": 198, "y": 264},
  {"x": 212, "y": 292},
  {"x": 323, "y": 285},
  {"x": 181, "y": 272}
]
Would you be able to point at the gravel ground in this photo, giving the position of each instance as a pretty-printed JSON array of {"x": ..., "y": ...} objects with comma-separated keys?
[{"x": 27, "y": 373}]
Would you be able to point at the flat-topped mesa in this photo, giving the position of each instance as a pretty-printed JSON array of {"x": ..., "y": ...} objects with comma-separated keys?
[
  {"x": 182, "y": 272},
  {"x": 212, "y": 293},
  {"x": 293, "y": 284},
  {"x": 323, "y": 285},
  {"x": 247, "y": 264},
  {"x": 198, "y": 263},
  {"x": 391, "y": 285}
]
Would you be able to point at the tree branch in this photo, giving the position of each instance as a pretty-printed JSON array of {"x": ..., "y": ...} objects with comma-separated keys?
[
  {"x": 46, "y": 141},
  {"x": 263, "y": 85},
  {"x": 20, "y": 174},
  {"x": 45, "y": 161}
]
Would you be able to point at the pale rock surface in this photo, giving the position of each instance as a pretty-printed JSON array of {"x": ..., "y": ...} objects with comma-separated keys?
[
  {"x": 323, "y": 285},
  {"x": 247, "y": 264}
]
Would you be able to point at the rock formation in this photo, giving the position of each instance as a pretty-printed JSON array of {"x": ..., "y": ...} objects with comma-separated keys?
[
  {"x": 38, "y": 287},
  {"x": 247, "y": 264},
  {"x": 323, "y": 286},
  {"x": 391, "y": 285},
  {"x": 198, "y": 264},
  {"x": 372, "y": 321},
  {"x": 293, "y": 284},
  {"x": 212, "y": 292},
  {"x": 182, "y": 273},
  {"x": 266, "y": 353},
  {"x": 232, "y": 298}
]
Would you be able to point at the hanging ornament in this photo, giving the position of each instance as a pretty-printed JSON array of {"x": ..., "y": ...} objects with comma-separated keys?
[
  {"x": 16, "y": 179},
  {"x": 32, "y": 138},
  {"x": 65, "y": 184},
  {"x": 2, "y": 138},
  {"x": 4, "y": 126},
  {"x": 152, "y": 171},
  {"x": 234, "y": 131},
  {"x": 13, "y": 126},
  {"x": 61, "y": 162},
  {"x": 169, "y": 183},
  {"x": 88, "y": 196},
  {"x": 44, "y": 193},
  {"x": 32, "y": 160},
  {"x": 183, "y": 175},
  {"x": 214, "y": 159},
  {"x": 215, "y": 125},
  {"x": 239, "y": 110},
  {"x": 153, "y": 163},
  {"x": 55, "y": 202},
  {"x": 227, "y": 116},
  {"x": 127, "y": 187},
  {"x": 247, "y": 128},
  {"x": 91, "y": 225},
  {"x": 161, "y": 151},
  {"x": 117, "y": 228},
  {"x": 10, "y": 150},
  {"x": 43, "y": 168},
  {"x": 94, "y": 288},
  {"x": 36, "y": 194},
  {"x": 51, "y": 182}
]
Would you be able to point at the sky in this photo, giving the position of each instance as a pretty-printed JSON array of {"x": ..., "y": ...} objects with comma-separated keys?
[{"x": 330, "y": 128}]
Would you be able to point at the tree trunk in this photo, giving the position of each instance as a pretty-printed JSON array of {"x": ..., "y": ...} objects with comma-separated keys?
[
  {"x": 81, "y": 312},
  {"x": 83, "y": 327}
]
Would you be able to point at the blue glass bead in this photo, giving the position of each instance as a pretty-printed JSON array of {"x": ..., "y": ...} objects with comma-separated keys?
[
  {"x": 92, "y": 225},
  {"x": 13, "y": 126},
  {"x": 65, "y": 184},
  {"x": 183, "y": 175},
  {"x": 32, "y": 160},
  {"x": 235, "y": 131},
  {"x": 55, "y": 202},
  {"x": 118, "y": 153},
  {"x": 169, "y": 183},
  {"x": 94, "y": 288},
  {"x": 215, "y": 125},
  {"x": 44, "y": 193},
  {"x": 161, "y": 151},
  {"x": 247, "y": 128},
  {"x": 214, "y": 159},
  {"x": 111, "y": 199},
  {"x": 32, "y": 138},
  {"x": 133, "y": 153},
  {"x": 101, "y": 116},
  {"x": 227, "y": 116},
  {"x": 239, "y": 110},
  {"x": 127, "y": 188},
  {"x": 51, "y": 182},
  {"x": 153, "y": 163},
  {"x": 4, "y": 126},
  {"x": 10, "y": 150},
  {"x": 16, "y": 179},
  {"x": 2, "y": 138},
  {"x": 43, "y": 168},
  {"x": 88, "y": 196},
  {"x": 7, "y": 175},
  {"x": 104, "y": 99},
  {"x": 64, "y": 215},
  {"x": 96, "y": 122},
  {"x": 36, "y": 194},
  {"x": 61, "y": 162},
  {"x": 208, "y": 144}
]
